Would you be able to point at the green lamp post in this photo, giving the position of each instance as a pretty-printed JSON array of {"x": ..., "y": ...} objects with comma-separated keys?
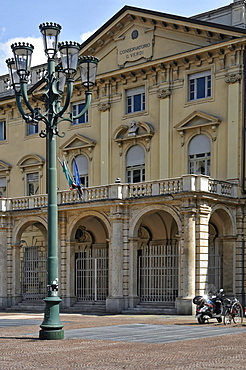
[{"x": 19, "y": 70}]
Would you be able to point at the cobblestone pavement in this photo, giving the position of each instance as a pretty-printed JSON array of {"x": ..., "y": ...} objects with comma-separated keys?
[{"x": 122, "y": 342}]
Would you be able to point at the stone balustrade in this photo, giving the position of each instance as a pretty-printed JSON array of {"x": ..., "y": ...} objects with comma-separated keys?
[{"x": 186, "y": 183}]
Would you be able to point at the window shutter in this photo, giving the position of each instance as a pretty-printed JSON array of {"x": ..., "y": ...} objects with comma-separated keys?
[
  {"x": 199, "y": 144},
  {"x": 135, "y": 91},
  {"x": 2, "y": 182},
  {"x": 82, "y": 164},
  {"x": 135, "y": 156}
]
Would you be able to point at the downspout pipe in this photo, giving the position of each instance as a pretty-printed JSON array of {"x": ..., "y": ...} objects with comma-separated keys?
[{"x": 243, "y": 177}]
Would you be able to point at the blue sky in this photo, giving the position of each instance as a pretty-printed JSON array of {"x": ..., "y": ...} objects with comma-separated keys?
[{"x": 20, "y": 19}]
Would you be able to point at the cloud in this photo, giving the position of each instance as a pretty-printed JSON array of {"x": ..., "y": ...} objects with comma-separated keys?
[
  {"x": 86, "y": 35},
  {"x": 38, "y": 56}
]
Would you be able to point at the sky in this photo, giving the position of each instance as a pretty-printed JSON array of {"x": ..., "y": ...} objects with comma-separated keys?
[{"x": 20, "y": 19}]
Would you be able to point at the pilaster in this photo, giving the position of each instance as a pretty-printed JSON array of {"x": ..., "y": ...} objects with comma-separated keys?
[
  {"x": 188, "y": 261},
  {"x": 164, "y": 138},
  {"x": 104, "y": 108},
  {"x": 233, "y": 103},
  {"x": 3, "y": 265}
]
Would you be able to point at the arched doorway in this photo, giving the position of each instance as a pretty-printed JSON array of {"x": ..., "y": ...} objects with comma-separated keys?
[
  {"x": 215, "y": 258},
  {"x": 221, "y": 260},
  {"x": 158, "y": 258},
  {"x": 33, "y": 263},
  {"x": 91, "y": 261}
]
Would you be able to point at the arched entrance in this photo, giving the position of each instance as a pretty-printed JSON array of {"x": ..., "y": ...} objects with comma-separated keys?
[
  {"x": 158, "y": 258},
  {"x": 91, "y": 261},
  {"x": 215, "y": 258},
  {"x": 33, "y": 263},
  {"x": 221, "y": 251}
]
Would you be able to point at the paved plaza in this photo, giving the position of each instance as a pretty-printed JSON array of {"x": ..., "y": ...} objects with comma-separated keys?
[{"x": 121, "y": 342}]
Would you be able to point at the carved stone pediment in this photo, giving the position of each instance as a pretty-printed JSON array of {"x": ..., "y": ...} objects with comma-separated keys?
[
  {"x": 136, "y": 131},
  {"x": 198, "y": 120},
  {"x": 4, "y": 167},
  {"x": 31, "y": 160},
  {"x": 77, "y": 141},
  {"x": 78, "y": 144}
]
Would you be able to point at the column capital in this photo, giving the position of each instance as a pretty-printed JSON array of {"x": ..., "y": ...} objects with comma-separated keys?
[
  {"x": 163, "y": 93},
  {"x": 103, "y": 107}
]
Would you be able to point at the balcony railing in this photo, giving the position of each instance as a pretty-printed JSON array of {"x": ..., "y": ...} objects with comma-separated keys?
[{"x": 186, "y": 183}]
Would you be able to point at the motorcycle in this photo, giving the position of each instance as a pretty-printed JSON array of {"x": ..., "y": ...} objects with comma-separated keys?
[{"x": 210, "y": 305}]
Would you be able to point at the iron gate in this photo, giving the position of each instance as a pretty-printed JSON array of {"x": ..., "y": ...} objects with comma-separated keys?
[
  {"x": 158, "y": 268},
  {"x": 34, "y": 273},
  {"x": 214, "y": 269},
  {"x": 91, "y": 277}
]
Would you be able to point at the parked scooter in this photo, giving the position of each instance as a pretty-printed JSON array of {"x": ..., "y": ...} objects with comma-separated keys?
[{"x": 209, "y": 306}]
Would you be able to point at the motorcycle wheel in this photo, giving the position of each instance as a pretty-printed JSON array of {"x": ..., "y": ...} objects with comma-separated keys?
[
  {"x": 237, "y": 313},
  {"x": 219, "y": 319},
  {"x": 227, "y": 317},
  {"x": 201, "y": 320}
]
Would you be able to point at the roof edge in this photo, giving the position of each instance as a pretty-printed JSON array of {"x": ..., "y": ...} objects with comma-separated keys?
[{"x": 164, "y": 15}]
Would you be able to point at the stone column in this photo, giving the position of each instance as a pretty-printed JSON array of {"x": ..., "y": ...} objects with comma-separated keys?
[
  {"x": 133, "y": 272},
  {"x": 202, "y": 247},
  {"x": 240, "y": 262},
  {"x": 16, "y": 275},
  {"x": 62, "y": 220},
  {"x": 115, "y": 300},
  {"x": 188, "y": 263},
  {"x": 10, "y": 275},
  {"x": 3, "y": 265},
  {"x": 70, "y": 298}
]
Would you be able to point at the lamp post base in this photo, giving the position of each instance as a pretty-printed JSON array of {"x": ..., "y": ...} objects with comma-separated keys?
[
  {"x": 51, "y": 334},
  {"x": 51, "y": 327}
]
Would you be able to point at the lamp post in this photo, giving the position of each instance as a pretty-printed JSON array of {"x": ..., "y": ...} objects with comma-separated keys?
[{"x": 19, "y": 70}]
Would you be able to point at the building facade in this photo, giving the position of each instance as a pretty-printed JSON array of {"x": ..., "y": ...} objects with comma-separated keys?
[{"x": 161, "y": 155}]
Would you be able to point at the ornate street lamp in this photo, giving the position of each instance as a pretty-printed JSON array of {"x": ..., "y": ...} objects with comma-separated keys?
[{"x": 19, "y": 70}]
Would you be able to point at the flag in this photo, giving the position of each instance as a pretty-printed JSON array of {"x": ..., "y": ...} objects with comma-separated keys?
[
  {"x": 69, "y": 178},
  {"x": 77, "y": 178}
]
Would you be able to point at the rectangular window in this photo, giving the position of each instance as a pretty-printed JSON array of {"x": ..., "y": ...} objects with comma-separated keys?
[
  {"x": 199, "y": 164},
  {"x": 77, "y": 108},
  {"x": 32, "y": 129},
  {"x": 84, "y": 180},
  {"x": 136, "y": 174},
  {"x": 135, "y": 99},
  {"x": 32, "y": 183},
  {"x": 3, "y": 187},
  {"x": 2, "y": 130},
  {"x": 200, "y": 85}
]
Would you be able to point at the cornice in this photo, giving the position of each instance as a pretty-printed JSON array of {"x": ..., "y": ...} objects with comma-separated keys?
[{"x": 186, "y": 59}]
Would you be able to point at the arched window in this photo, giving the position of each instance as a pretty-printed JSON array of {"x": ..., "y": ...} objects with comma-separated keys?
[
  {"x": 82, "y": 164},
  {"x": 135, "y": 164},
  {"x": 199, "y": 155}
]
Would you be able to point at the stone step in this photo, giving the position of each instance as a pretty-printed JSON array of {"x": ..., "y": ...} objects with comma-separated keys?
[
  {"x": 158, "y": 308},
  {"x": 86, "y": 307},
  {"x": 27, "y": 306}
]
